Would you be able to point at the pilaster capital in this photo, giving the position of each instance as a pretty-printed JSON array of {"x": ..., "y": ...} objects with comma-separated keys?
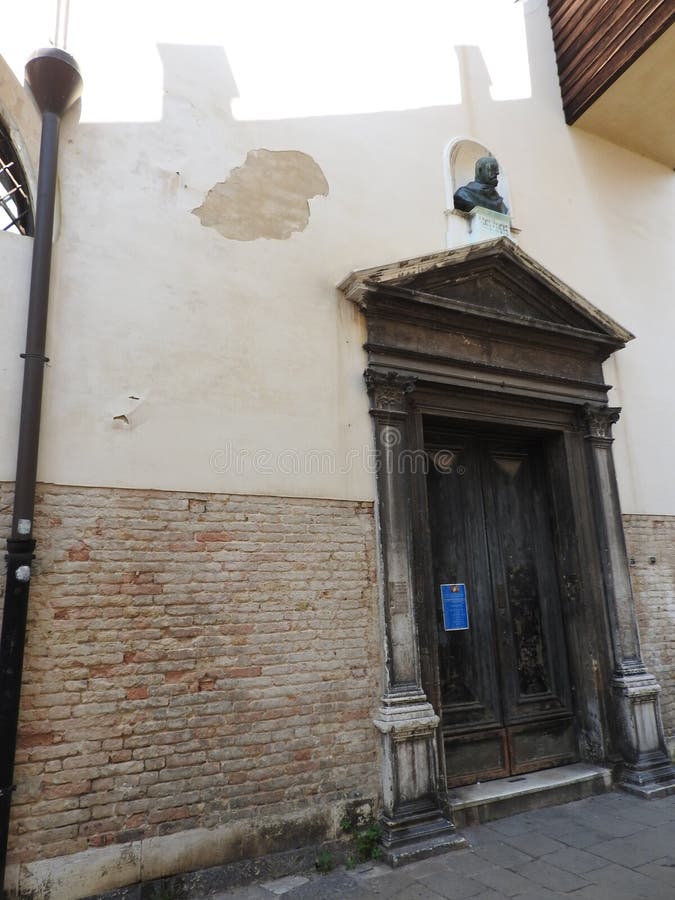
[
  {"x": 599, "y": 421},
  {"x": 388, "y": 390}
]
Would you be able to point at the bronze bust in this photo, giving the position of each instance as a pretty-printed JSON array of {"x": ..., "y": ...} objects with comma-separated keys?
[{"x": 482, "y": 191}]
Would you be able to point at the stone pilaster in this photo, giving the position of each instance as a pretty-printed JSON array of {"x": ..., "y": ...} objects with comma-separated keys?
[
  {"x": 412, "y": 821},
  {"x": 647, "y": 769}
]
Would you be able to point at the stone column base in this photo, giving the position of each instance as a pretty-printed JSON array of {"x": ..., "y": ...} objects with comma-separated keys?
[
  {"x": 417, "y": 832},
  {"x": 413, "y": 824},
  {"x": 647, "y": 769}
]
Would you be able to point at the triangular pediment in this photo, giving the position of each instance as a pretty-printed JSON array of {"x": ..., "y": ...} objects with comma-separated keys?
[{"x": 493, "y": 279}]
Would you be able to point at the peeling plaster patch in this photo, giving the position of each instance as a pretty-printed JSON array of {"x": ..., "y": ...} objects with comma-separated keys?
[
  {"x": 128, "y": 411},
  {"x": 265, "y": 198}
]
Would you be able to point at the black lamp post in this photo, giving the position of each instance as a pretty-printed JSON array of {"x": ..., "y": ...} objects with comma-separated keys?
[{"x": 54, "y": 79}]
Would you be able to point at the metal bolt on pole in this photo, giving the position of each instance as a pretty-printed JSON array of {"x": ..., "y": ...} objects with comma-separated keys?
[{"x": 54, "y": 79}]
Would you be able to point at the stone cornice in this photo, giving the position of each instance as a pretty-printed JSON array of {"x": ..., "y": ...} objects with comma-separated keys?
[{"x": 360, "y": 285}]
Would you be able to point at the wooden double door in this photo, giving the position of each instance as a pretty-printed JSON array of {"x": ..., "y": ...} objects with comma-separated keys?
[{"x": 506, "y": 703}]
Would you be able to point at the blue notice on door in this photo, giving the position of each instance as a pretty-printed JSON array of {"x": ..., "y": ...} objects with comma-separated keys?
[{"x": 455, "y": 612}]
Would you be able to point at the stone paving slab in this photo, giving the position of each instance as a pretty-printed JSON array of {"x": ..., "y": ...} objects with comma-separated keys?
[
  {"x": 662, "y": 870},
  {"x": 611, "y": 847},
  {"x": 452, "y": 885},
  {"x": 533, "y": 843},
  {"x": 621, "y": 881},
  {"x": 574, "y": 860},
  {"x": 282, "y": 886},
  {"x": 508, "y": 883},
  {"x": 545, "y": 875}
]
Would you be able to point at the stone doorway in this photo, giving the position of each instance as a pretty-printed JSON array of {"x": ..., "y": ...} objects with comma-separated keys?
[{"x": 484, "y": 338}]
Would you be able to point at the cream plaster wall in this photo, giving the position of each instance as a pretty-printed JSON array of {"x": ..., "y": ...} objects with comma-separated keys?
[
  {"x": 232, "y": 346},
  {"x": 638, "y": 110}
]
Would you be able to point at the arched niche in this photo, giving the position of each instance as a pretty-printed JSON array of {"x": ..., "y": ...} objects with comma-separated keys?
[{"x": 459, "y": 163}]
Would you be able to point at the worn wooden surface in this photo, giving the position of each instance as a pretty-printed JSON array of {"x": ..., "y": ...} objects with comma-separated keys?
[
  {"x": 505, "y": 695},
  {"x": 597, "y": 40}
]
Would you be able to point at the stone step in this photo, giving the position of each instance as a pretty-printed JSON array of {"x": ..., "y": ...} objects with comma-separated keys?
[{"x": 488, "y": 800}]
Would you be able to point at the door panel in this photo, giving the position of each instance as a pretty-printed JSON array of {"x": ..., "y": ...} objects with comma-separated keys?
[
  {"x": 525, "y": 581},
  {"x": 484, "y": 753},
  {"x": 468, "y": 675},
  {"x": 541, "y": 744},
  {"x": 505, "y": 697}
]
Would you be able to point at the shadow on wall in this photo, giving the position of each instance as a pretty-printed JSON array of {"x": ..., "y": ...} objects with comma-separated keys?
[{"x": 251, "y": 179}]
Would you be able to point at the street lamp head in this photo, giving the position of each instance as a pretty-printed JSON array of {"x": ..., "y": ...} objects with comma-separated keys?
[{"x": 54, "y": 79}]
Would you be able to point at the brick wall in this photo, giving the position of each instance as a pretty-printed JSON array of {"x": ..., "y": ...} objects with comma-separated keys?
[
  {"x": 192, "y": 660},
  {"x": 647, "y": 538}
]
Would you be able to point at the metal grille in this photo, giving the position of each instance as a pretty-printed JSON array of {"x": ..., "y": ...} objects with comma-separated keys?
[{"x": 15, "y": 209}]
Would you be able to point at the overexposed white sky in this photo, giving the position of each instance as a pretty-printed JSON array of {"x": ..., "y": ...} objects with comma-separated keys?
[{"x": 288, "y": 59}]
